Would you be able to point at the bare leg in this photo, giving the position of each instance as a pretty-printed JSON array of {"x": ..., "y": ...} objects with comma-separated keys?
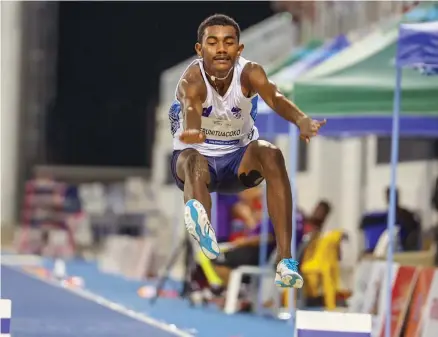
[
  {"x": 264, "y": 158},
  {"x": 268, "y": 160},
  {"x": 192, "y": 169}
]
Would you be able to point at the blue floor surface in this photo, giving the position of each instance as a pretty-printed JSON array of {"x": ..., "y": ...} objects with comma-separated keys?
[
  {"x": 40, "y": 309},
  {"x": 206, "y": 322},
  {"x": 43, "y": 310}
]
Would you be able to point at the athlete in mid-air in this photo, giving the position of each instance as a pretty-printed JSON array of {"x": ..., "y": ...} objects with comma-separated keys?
[{"x": 216, "y": 145}]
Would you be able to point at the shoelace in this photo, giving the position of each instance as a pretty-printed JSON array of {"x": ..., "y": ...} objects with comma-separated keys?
[{"x": 291, "y": 264}]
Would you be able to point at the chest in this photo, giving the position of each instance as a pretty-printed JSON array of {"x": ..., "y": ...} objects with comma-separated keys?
[{"x": 232, "y": 107}]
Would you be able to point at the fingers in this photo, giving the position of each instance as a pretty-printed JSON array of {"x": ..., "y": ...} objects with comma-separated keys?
[
  {"x": 322, "y": 123},
  {"x": 318, "y": 124},
  {"x": 305, "y": 138},
  {"x": 192, "y": 137},
  {"x": 312, "y": 129}
]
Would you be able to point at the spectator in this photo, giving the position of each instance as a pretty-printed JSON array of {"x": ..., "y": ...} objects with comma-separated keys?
[
  {"x": 246, "y": 212},
  {"x": 312, "y": 228},
  {"x": 409, "y": 222},
  {"x": 318, "y": 217},
  {"x": 246, "y": 245},
  {"x": 225, "y": 205}
]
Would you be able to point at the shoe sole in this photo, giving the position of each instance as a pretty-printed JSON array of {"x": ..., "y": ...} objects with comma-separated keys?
[
  {"x": 197, "y": 223},
  {"x": 289, "y": 281}
]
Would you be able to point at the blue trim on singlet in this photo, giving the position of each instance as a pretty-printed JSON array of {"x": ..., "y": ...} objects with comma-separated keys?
[
  {"x": 254, "y": 102},
  {"x": 222, "y": 142}
]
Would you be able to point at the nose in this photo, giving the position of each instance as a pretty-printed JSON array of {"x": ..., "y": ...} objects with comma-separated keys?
[{"x": 221, "y": 48}]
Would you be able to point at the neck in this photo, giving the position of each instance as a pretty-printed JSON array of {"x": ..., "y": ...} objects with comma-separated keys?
[{"x": 220, "y": 81}]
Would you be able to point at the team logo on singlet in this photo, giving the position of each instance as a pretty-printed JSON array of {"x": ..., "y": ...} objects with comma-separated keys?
[
  {"x": 237, "y": 112},
  {"x": 207, "y": 111}
]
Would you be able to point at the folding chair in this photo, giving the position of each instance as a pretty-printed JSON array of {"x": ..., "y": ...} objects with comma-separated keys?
[{"x": 267, "y": 275}]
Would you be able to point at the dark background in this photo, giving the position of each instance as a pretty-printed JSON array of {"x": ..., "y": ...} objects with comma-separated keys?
[{"x": 110, "y": 56}]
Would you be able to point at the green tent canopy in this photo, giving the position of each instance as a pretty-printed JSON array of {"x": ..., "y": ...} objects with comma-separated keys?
[{"x": 360, "y": 81}]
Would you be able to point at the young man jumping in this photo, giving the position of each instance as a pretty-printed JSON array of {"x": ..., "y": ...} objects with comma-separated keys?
[{"x": 216, "y": 145}]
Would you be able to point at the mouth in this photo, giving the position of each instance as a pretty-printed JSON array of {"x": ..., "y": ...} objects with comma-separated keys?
[{"x": 221, "y": 59}]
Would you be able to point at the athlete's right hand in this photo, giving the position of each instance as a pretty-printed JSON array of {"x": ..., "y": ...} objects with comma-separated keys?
[{"x": 192, "y": 136}]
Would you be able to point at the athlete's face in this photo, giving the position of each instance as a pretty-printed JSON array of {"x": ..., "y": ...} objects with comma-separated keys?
[{"x": 219, "y": 48}]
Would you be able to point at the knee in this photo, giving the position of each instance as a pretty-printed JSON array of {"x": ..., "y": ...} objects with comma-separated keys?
[{"x": 271, "y": 159}]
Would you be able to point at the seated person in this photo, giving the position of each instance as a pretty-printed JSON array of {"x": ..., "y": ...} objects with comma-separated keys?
[
  {"x": 312, "y": 229},
  {"x": 315, "y": 222},
  {"x": 409, "y": 222},
  {"x": 225, "y": 206},
  {"x": 246, "y": 213},
  {"x": 246, "y": 237}
]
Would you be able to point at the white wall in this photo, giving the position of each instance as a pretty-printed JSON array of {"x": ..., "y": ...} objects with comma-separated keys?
[
  {"x": 415, "y": 181},
  {"x": 10, "y": 76},
  {"x": 345, "y": 172}
]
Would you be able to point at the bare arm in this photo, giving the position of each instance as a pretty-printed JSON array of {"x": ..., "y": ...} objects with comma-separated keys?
[
  {"x": 259, "y": 83},
  {"x": 190, "y": 93},
  {"x": 272, "y": 96}
]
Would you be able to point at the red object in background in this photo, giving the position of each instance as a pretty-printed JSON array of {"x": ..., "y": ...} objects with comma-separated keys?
[
  {"x": 43, "y": 207},
  {"x": 235, "y": 236},
  {"x": 401, "y": 298},
  {"x": 418, "y": 302},
  {"x": 257, "y": 204},
  {"x": 308, "y": 228},
  {"x": 409, "y": 5}
]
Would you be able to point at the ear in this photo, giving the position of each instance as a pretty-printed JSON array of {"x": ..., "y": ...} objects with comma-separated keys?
[
  {"x": 240, "y": 50},
  {"x": 198, "y": 49}
]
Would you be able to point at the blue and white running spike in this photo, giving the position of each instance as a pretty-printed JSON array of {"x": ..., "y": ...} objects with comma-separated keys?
[
  {"x": 198, "y": 225},
  {"x": 287, "y": 275}
]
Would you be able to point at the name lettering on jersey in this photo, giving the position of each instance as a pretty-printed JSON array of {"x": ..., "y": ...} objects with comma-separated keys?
[
  {"x": 222, "y": 132},
  {"x": 219, "y": 133}
]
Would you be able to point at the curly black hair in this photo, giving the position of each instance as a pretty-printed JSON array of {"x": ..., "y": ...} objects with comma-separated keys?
[{"x": 217, "y": 20}]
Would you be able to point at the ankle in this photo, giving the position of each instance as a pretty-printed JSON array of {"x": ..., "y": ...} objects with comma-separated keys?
[{"x": 285, "y": 256}]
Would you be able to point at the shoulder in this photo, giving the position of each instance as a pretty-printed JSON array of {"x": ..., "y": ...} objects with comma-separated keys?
[
  {"x": 251, "y": 68},
  {"x": 192, "y": 83},
  {"x": 253, "y": 73}
]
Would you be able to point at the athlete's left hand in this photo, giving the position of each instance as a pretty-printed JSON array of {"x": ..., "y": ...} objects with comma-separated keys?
[{"x": 309, "y": 128}]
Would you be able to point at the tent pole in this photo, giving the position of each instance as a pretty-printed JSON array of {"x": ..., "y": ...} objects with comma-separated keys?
[
  {"x": 264, "y": 230},
  {"x": 392, "y": 197},
  {"x": 214, "y": 201},
  {"x": 177, "y": 222},
  {"x": 293, "y": 165}
]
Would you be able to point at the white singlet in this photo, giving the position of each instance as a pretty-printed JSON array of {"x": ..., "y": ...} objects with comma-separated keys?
[{"x": 227, "y": 121}]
